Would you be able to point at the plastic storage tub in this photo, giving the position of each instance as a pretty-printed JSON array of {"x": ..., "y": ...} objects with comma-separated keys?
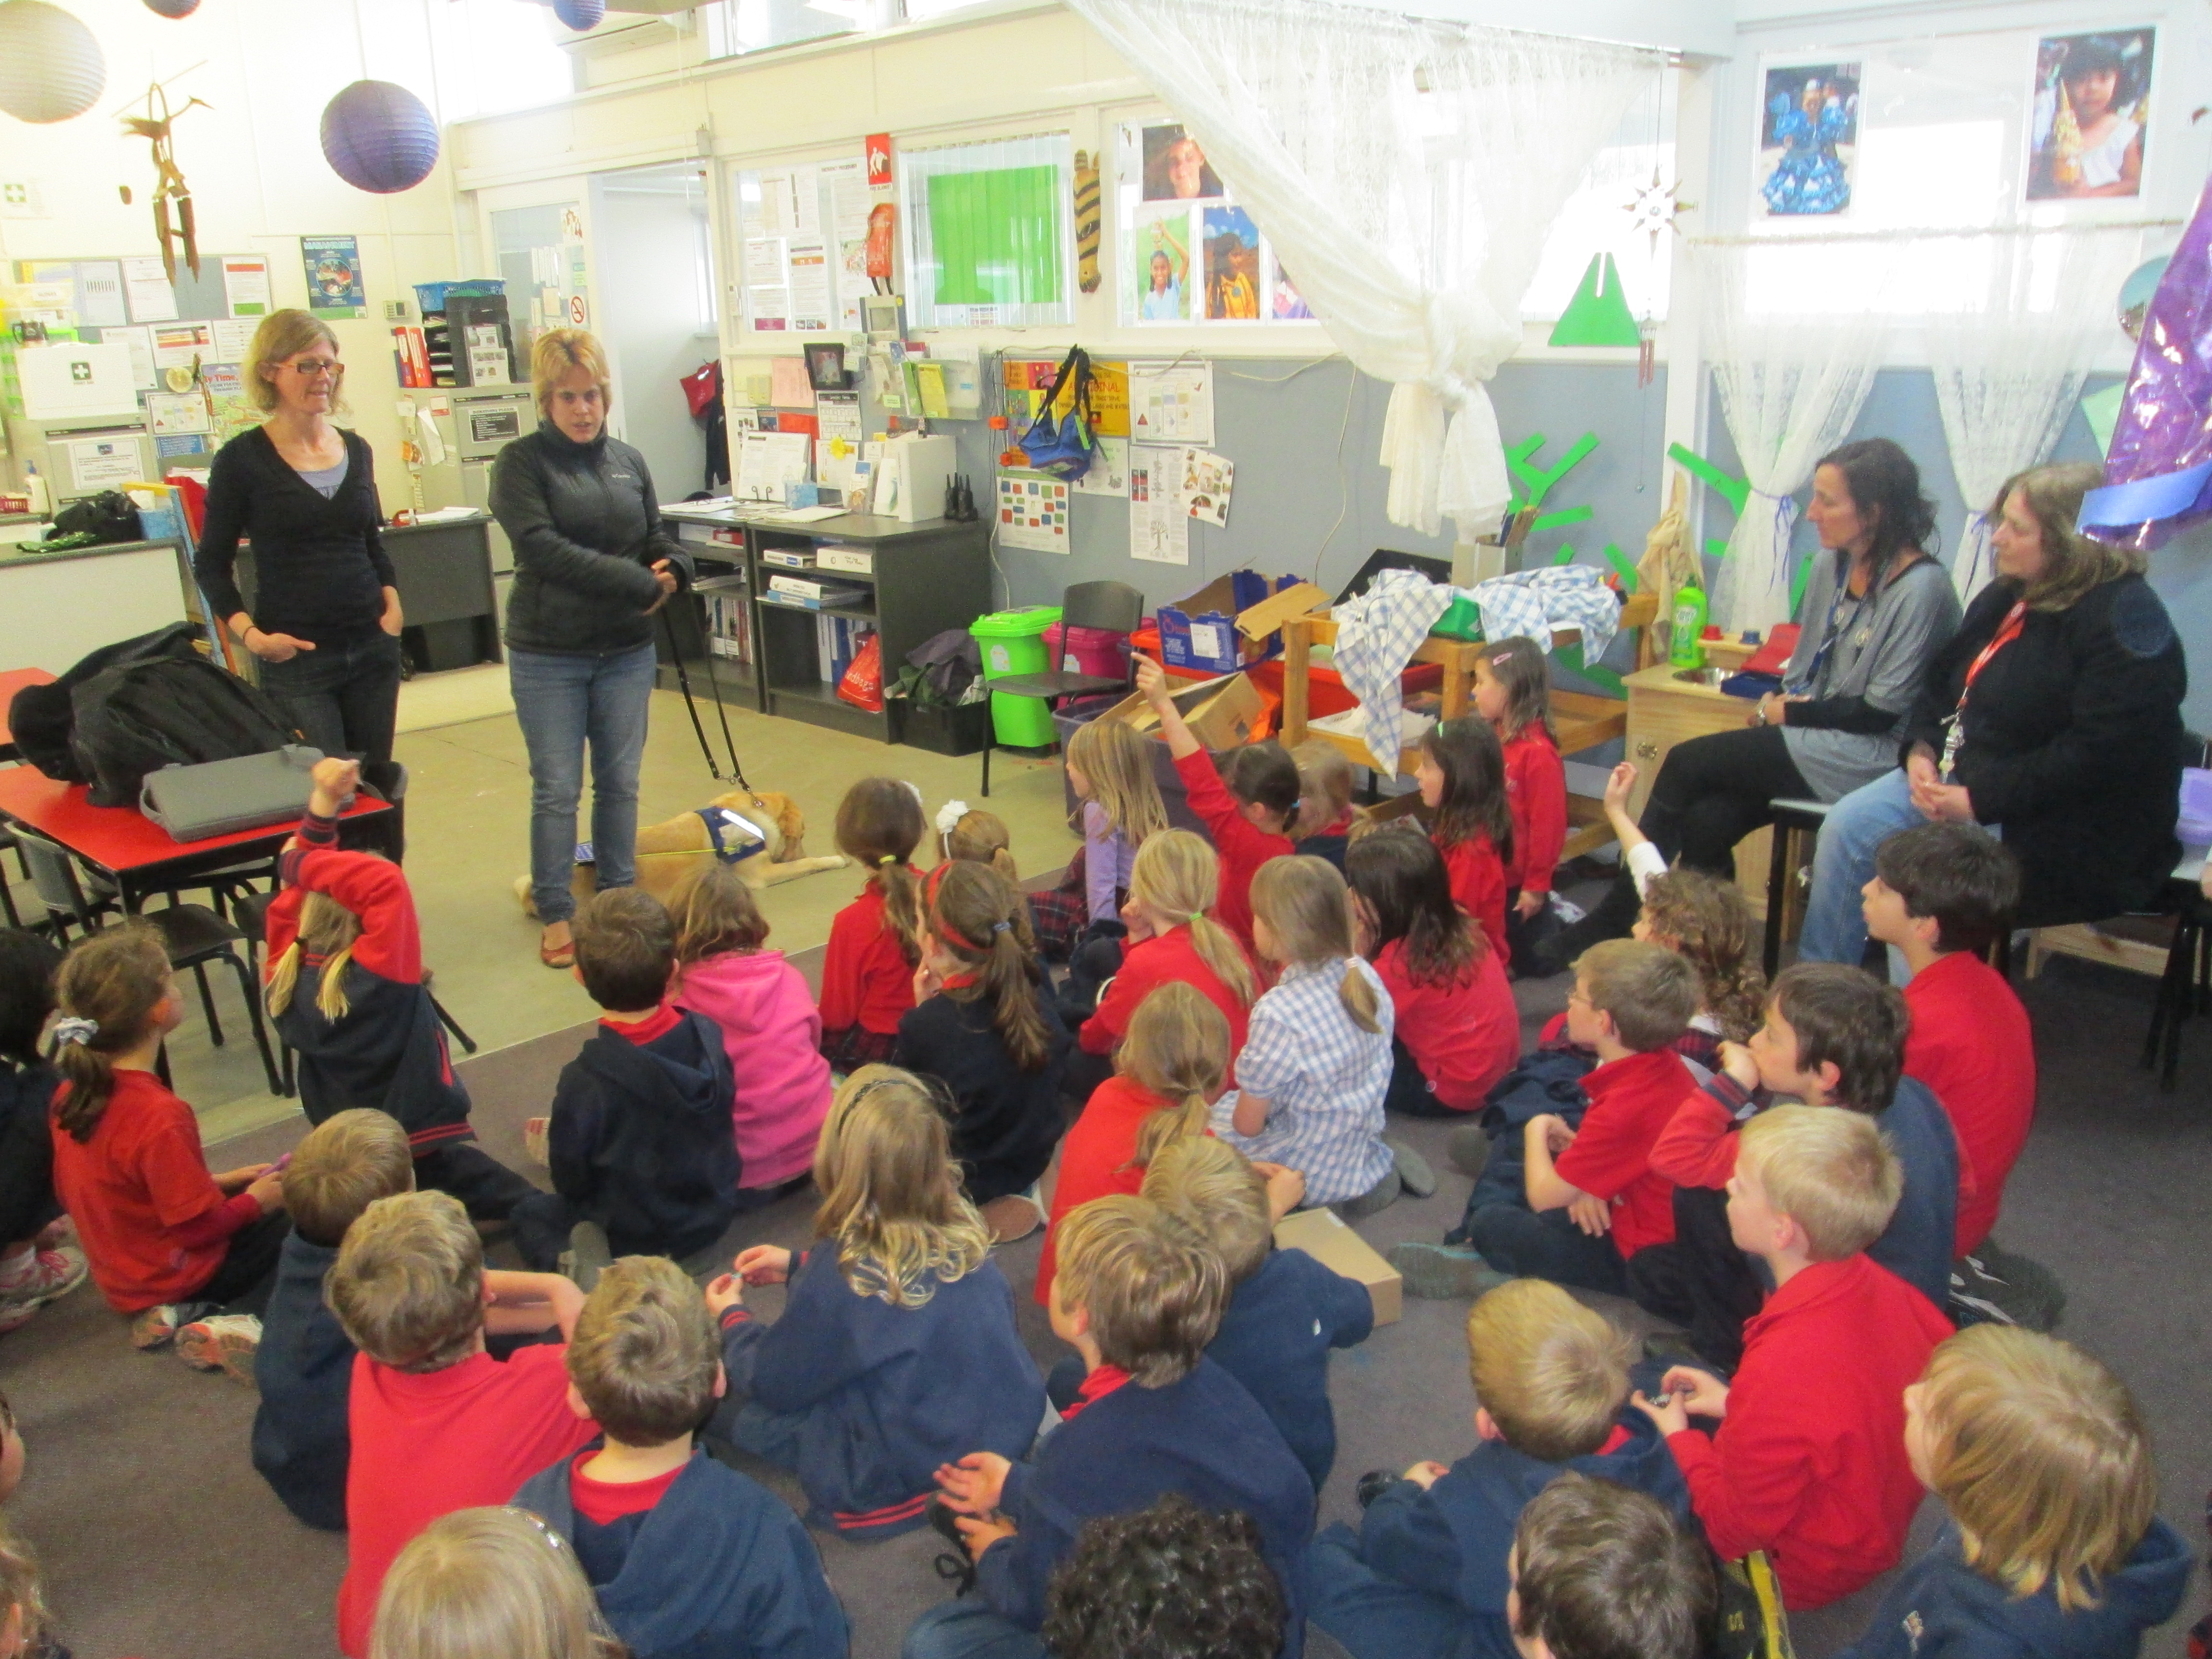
[
  {"x": 1013, "y": 643},
  {"x": 1080, "y": 650}
]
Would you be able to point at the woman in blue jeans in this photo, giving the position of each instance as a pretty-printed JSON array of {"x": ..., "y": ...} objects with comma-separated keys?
[
  {"x": 2053, "y": 718},
  {"x": 591, "y": 566}
]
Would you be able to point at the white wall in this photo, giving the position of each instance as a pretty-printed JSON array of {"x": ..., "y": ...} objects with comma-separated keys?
[{"x": 650, "y": 229}]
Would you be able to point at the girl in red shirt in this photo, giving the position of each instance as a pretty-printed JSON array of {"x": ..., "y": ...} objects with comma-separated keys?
[
  {"x": 1461, "y": 773},
  {"x": 1457, "y": 1031},
  {"x": 1168, "y": 1070},
  {"x": 162, "y": 1235},
  {"x": 1513, "y": 692},
  {"x": 867, "y": 969}
]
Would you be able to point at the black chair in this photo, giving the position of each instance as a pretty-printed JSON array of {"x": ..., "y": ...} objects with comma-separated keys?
[
  {"x": 192, "y": 934},
  {"x": 1792, "y": 818},
  {"x": 1113, "y": 606},
  {"x": 7, "y": 892},
  {"x": 2186, "y": 988}
]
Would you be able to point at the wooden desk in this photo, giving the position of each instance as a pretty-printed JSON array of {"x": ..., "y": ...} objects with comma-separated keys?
[
  {"x": 1663, "y": 711},
  {"x": 11, "y": 682}
]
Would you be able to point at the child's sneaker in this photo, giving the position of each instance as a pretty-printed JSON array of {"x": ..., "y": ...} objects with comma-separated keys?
[
  {"x": 224, "y": 1342},
  {"x": 44, "y": 1276},
  {"x": 588, "y": 1256},
  {"x": 157, "y": 1327},
  {"x": 1443, "y": 1272}
]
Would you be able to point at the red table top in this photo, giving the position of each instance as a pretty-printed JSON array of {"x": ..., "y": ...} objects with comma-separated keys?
[
  {"x": 12, "y": 680},
  {"x": 120, "y": 838}
]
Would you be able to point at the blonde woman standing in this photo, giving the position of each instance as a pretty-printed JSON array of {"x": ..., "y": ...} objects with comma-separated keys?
[
  {"x": 592, "y": 563},
  {"x": 325, "y": 619}
]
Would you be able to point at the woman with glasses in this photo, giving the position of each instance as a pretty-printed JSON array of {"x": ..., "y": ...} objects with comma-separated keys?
[{"x": 326, "y": 617}]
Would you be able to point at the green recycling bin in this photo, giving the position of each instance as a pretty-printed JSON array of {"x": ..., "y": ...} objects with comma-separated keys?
[{"x": 1012, "y": 642}]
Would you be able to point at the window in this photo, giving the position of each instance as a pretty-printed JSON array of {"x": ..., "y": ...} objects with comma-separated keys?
[
  {"x": 990, "y": 233},
  {"x": 735, "y": 27},
  {"x": 494, "y": 56},
  {"x": 1596, "y": 219}
]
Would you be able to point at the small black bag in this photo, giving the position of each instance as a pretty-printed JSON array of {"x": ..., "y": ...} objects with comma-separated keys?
[{"x": 107, "y": 517}]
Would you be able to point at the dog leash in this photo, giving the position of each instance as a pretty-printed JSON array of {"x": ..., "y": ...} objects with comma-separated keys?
[{"x": 684, "y": 684}]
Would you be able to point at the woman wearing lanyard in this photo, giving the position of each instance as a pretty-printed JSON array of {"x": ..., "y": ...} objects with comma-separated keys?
[
  {"x": 2054, "y": 717},
  {"x": 1876, "y": 610}
]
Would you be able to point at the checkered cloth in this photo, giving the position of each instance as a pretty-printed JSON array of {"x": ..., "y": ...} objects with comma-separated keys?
[
  {"x": 1530, "y": 603},
  {"x": 1324, "y": 1079},
  {"x": 1377, "y": 635}
]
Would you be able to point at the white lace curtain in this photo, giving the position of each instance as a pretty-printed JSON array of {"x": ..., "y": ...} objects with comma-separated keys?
[{"x": 1406, "y": 173}]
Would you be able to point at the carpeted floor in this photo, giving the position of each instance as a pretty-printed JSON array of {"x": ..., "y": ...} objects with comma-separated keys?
[{"x": 159, "y": 1539}]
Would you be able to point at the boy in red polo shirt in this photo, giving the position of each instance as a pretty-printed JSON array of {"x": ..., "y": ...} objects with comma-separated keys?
[
  {"x": 1941, "y": 894},
  {"x": 1809, "y": 1462}
]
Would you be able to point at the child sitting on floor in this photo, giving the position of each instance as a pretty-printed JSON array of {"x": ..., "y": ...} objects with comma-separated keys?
[
  {"x": 304, "y": 1366},
  {"x": 639, "y": 1139},
  {"x": 38, "y": 1264},
  {"x": 897, "y": 1348},
  {"x": 1461, "y": 774},
  {"x": 1168, "y": 1070},
  {"x": 1455, "y": 1030},
  {"x": 438, "y": 1424},
  {"x": 1317, "y": 1063},
  {"x": 1171, "y": 1580},
  {"x": 983, "y": 1025},
  {"x": 1285, "y": 1309},
  {"x": 1325, "y": 814},
  {"x": 344, "y": 989},
  {"x": 1809, "y": 1462},
  {"x": 1139, "y": 1297},
  {"x": 1428, "y": 1564},
  {"x": 1109, "y": 768},
  {"x": 686, "y": 1556},
  {"x": 1513, "y": 692},
  {"x": 1247, "y": 812},
  {"x": 867, "y": 968},
  {"x": 489, "y": 1584},
  {"x": 1599, "y": 1572},
  {"x": 770, "y": 1030},
  {"x": 2054, "y": 1546},
  {"x": 169, "y": 1243}
]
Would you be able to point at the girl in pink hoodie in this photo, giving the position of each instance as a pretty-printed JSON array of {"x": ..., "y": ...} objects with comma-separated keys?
[{"x": 769, "y": 1025}]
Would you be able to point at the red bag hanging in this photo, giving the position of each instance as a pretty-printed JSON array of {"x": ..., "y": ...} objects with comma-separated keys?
[{"x": 863, "y": 684}]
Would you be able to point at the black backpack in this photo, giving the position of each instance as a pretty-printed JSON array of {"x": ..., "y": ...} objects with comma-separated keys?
[{"x": 105, "y": 516}]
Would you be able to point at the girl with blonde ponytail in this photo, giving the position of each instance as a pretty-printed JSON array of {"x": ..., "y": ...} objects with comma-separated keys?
[
  {"x": 983, "y": 1025},
  {"x": 1168, "y": 1070}
]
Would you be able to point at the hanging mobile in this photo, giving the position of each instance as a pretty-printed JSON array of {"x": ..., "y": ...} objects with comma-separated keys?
[
  {"x": 1655, "y": 207},
  {"x": 168, "y": 182}
]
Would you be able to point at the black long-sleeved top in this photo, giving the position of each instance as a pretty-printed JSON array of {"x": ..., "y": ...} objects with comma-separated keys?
[
  {"x": 586, "y": 532},
  {"x": 319, "y": 566},
  {"x": 1006, "y": 1121}
]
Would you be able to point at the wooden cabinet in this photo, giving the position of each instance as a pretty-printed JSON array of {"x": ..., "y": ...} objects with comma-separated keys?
[{"x": 1663, "y": 711}]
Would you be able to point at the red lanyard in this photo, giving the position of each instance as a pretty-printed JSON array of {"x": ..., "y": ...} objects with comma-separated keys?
[{"x": 2006, "y": 634}]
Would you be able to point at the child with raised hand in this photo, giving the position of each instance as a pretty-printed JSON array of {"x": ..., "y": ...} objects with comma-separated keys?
[
  {"x": 1513, "y": 692},
  {"x": 489, "y": 1584},
  {"x": 2054, "y": 1546},
  {"x": 983, "y": 1025},
  {"x": 1461, "y": 774},
  {"x": 168, "y": 1241},
  {"x": 1249, "y": 813},
  {"x": 1455, "y": 1030},
  {"x": 867, "y": 966},
  {"x": 344, "y": 989},
  {"x": 37, "y": 1262},
  {"x": 1168, "y": 1072},
  {"x": 896, "y": 1350},
  {"x": 1317, "y": 1063},
  {"x": 771, "y": 1028},
  {"x": 1326, "y": 817}
]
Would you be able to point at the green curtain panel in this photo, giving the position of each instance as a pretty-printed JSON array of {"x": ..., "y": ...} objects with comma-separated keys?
[{"x": 995, "y": 236}]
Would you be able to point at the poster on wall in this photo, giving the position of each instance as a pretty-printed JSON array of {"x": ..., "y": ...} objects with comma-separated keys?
[
  {"x": 1172, "y": 402},
  {"x": 334, "y": 285},
  {"x": 1160, "y": 526},
  {"x": 1232, "y": 265},
  {"x": 1033, "y": 513},
  {"x": 1109, "y": 474},
  {"x": 1188, "y": 252},
  {"x": 146, "y": 286},
  {"x": 1808, "y": 136},
  {"x": 2089, "y": 107},
  {"x": 246, "y": 286}
]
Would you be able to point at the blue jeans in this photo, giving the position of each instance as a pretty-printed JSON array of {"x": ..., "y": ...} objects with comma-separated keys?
[
  {"x": 564, "y": 702},
  {"x": 1372, "y": 1616},
  {"x": 344, "y": 697},
  {"x": 968, "y": 1629}
]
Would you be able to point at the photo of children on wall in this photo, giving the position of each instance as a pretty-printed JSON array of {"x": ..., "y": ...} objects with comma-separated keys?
[
  {"x": 2091, "y": 103},
  {"x": 1232, "y": 265},
  {"x": 1807, "y": 139},
  {"x": 1176, "y": 168},
  {"x": 1287, "y": 303},
  {"x": 1160, "y": 254}
]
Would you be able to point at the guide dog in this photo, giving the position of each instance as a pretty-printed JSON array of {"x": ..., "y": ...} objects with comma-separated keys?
[{"x": 763, "y": 836}]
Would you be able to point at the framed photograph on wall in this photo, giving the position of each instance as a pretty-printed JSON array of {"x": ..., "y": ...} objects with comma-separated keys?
[
  {"x": 2088, "y": 109},
  {"x": 1808, "y": 135}
]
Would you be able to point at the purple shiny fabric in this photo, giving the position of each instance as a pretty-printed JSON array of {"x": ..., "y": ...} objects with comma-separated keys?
[{"x": 2158, "y": 474}]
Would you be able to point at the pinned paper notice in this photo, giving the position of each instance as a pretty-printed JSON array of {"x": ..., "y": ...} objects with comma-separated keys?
[
  {"x": 1205, "y": 485},
  {"x": 1159, "y": 528},
  {"x": 789, "y": 388}
]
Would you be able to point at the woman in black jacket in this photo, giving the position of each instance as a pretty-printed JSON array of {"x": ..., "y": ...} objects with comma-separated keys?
[
  {"x": 591, "y": 565},
  {"x": 326, "y": 618},
  {"x": 2054, "y": 717}
]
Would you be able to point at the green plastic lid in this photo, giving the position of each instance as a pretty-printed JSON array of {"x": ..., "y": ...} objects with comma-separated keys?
[{"x": 1026, "y": 623}]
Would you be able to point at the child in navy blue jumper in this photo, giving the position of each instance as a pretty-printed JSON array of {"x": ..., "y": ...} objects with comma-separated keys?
[
  {"x": 1140, "y": 1296},
  {"x": 1426, "y": 1575},
  {"x": 896, "y": 1349},
  {"x": 2054, "y": 1546},
  {"x": 345, "y": 991},
  {"x": 687, "y": 1557},
  {"x": 1285, "y": 1309},
  {"x": 1599, "y": 1571}
]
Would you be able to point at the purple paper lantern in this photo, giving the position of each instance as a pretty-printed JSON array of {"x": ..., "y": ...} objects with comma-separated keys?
[
  {"x": 379, "y": 137},
  {"x": 580, "y": 15},
  {"x": 173, "y": 7},
  {"x": 50, "y": 66}
]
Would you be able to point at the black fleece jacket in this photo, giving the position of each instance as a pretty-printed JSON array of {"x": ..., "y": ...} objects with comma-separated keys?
[{"x": 319, "y": 567}]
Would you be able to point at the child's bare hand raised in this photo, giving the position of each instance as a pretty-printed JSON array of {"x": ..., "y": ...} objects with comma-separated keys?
[
  {"x": 1152, "y": 681},
  {"x": 763, "y": 1264},
  {"x": 1737, "y": 1062},
  {"x": 1619, "y": 785},
  {"x": 333, "y": 781},
  {"x": 975, "y": 1484}
]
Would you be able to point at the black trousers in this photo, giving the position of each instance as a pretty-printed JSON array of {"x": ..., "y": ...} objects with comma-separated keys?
[
  {"x": 488, "y": 1189},
  {"x": 1701, "y": 1281},
  {"x": 1712, "y": 791},
  {"x": 1409, "y": 1090},
  {"x": 248, "y": 1272}
]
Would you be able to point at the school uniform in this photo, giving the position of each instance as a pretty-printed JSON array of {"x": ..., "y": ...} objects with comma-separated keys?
[
  {"x": 1938, "y": 1607},
  {"x": 639, "y": 1142},
  {"x": 701, "y": 1563},
  {"x": 1005, "y": 1120},
  {"x": 1243, "y": 847},
  {"x": 1275, "y": 1338},
  {"x": 865, "y": 1399},
  {"x": 1536, "y": 796},
  {"x": 867, "y": 981},
  {"x": 1097, "y": 1159},
  {"x": 1459, "y": 1039},
  {"x": 26, "y": 1149},
  {"x": 1328, "y": 843},
  {"x": 304, "y": 1372},
  {"x": 1809, "y": 1464},
  {"x": 1424, "y": 1577},
  {"x": 1971, "y": 1043},
  {"x": 1148, "y": 964},
  {"x": 1477, "y": 876}
]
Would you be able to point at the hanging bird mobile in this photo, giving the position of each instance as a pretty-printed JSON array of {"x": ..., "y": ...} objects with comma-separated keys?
[{"x": 169, "y": 183}]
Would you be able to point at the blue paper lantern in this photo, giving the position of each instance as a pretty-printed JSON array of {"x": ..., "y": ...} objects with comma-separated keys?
[
  {"x": 173, "y": 7},
  {"x": 51, "y": 68},
  {"x": 580, "y": 15},
  {"x": 378, "y": 136}
]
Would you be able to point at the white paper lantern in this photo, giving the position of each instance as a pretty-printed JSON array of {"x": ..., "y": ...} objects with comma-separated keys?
[{"x": 51, "y": 67}]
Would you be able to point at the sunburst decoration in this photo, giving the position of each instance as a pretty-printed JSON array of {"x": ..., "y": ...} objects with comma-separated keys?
[{"x": 1656, "y": 207}]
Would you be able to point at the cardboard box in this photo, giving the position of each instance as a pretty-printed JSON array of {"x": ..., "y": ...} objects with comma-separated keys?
[
  {"x": 1326, "y": 1238},
  {"x": 1220, "y": 713},
  {"x": 1199, "y": 630}
]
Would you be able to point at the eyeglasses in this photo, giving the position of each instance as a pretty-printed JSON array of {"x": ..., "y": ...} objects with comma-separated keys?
[{"x": 313, "y": 368}]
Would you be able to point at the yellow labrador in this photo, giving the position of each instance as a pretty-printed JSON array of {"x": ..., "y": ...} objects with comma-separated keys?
[{"x": 765, "y": 834}]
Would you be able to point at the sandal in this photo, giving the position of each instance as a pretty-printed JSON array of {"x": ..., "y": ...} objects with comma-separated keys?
[{"x": 558, "y": 956}]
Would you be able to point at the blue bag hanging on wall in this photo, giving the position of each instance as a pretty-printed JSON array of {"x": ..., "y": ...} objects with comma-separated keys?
[{"x": 1064, "y": 448}]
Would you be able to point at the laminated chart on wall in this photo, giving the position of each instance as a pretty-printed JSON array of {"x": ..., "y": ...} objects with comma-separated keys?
[
  {"x": 1033, "y": 511},
  {"x": 1109, "y": 471},
  {"x": 1204, "y": 483},
  {"x": 1159, "y": 525},
  {"x": 1172, "y": 402}
]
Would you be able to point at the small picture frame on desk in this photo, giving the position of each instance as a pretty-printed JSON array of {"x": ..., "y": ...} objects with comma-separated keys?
[{"x": 825, "y": 366}]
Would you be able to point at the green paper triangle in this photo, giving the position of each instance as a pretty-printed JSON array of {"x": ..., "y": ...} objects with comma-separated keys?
[
  {"x": 1598, "y": 315},
  {"x": 2102, "y": 411}
]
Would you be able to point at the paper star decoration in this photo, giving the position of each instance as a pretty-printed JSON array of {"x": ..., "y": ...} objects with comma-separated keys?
[{"x": 1656, "y": 206}]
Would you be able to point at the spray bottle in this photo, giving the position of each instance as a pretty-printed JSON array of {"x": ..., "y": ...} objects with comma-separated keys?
[{"x": 1688, "y": 624}]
